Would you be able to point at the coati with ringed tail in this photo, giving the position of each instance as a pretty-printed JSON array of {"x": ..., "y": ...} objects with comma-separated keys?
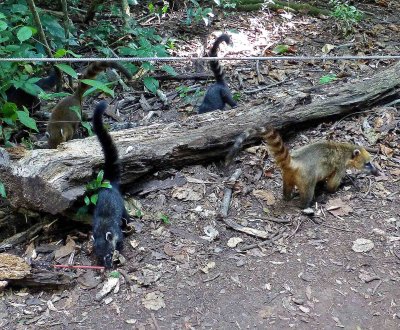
[
  {"x": 304, "y": 167},
  {"x": 218, "y": 94},
  {"x": 110, "y": 214},
  {"x": 64, "y": 121}
]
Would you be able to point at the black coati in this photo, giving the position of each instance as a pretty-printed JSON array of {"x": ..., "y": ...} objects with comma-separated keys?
[
  {"x": 219, "y": 93},
  {"x": 65, "y": 117},
  {"x": 22, "y": 98},
  {"x": 304, "y": 167},
  {"x": 110, "y": 214}
]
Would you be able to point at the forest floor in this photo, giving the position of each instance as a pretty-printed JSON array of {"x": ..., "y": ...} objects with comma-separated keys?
[{"x": 195, "y": 272}]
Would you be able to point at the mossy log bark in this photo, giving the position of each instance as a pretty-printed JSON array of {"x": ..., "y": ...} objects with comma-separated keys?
[
  {"x": 51, "y": 180},
  {"x": 251, "y": 5}
]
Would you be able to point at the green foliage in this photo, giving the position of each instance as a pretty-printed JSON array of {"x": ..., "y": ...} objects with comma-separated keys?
[
  {"x": 227, "y": 4},
  {"x": 184, "y": 93},
  {"x": 197, "y": 13},
  {"x": 3, "y": 193},
  {"x": 164, "y": 218},
  {"x": 92, "y": 189},
  {"x": 115, "y": 274},
  {"x": 327, "y": 78},
  {"x": 346, "y": 14},
  {"x": 12, "y": 120},
  {"x": 237, "y": 96},
  {"x": 281, "y": 49}
]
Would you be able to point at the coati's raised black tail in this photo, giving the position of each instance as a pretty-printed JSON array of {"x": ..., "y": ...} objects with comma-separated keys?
[
  {"x": 238, "y": 144},
  {"x": 48, "y": 82},
  {"x": 215, "y": 67},
  {"x": 112, "y": 166}
]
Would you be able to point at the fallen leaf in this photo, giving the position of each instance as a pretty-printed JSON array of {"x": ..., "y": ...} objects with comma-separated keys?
[
  {"x": 186, "y": 194},
  {"x": 362, "y": 245},
  {"x": 265, "y": 195},
  {"x": 386, "y": 151},
  {"x": 209, "y": 266},
  {"x": 107, "y": 288},
  {"x": 65, "y": 250},
  {"x": 154, "y": 301},
  {"x": 327, "y": 48},
  {"x": 234, "y": 241},
  {"x": 338, "y": 207},
  {"x": 211, "y": 233}
]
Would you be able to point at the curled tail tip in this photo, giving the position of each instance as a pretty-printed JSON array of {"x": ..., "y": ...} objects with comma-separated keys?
[
  {"x": 217, "y": 42},
  {"x": 101, "y": 107}
]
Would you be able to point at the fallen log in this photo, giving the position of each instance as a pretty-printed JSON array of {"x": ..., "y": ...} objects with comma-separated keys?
[{"x": 52, "y": 180}]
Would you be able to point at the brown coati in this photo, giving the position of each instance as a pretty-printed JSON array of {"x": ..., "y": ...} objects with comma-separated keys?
[
  {"x": 324, "y": 161},
  {"x": 110, "y": 214},
  {"x": 22, "y": 98},
  {"x": 66, "y": 115},
  {"x": 219, "y": 93}
]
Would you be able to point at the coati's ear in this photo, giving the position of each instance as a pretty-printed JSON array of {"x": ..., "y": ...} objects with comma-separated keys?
[
  {"x": 47, "y": 134},
  {"x": 92, "y": 238},
  {"x": 356, "y": 153},
  {"x": 109, "y": 236},
  {"x": 62, "y": 132}
]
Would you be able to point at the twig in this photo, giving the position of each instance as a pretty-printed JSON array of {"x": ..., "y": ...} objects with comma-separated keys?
[
  {"x": 79, "y": 267},
  {"x": 212, "y": 278},
  {"x": 228, "y": 193},
  {"x": 247, "y": 230},
  {"x": 252, "y": 91},
  {"x": 155, "y": 321},
  {"x": 369, "y": 187},
  {"x": 376, "y": 287},
  {"x": 42, "y": 37},
  {"x": 274, "y": 237}
]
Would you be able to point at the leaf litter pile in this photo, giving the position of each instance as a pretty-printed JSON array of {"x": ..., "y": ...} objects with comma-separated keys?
[{"x": 194, "y": 262}]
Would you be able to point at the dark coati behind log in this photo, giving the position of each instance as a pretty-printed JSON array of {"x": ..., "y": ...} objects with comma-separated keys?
[
  {"x": 110, "y": 214},
  {"x": 218, "y": 94},
  {"x": 22, "y": 98},
  {"x": 65, "y": 117}
]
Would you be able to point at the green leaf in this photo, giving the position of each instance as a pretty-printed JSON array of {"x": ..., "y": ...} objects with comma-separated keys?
[
  {"x": 327, "y": 78},
  {"x": 281, "y": 49},
  {"x": 106, "y": 184},
  {"x": 77, "y": 110},
  {"x": 114, "y": 274},
  {"x": 94, "y": 199},
  {"x": 87, "y": 200},
  {"x": 151, "y": 84},
  {"x": 67, "y": 69},
  {"x": 29, "y": 122},
  {"x": 2, "y": 190},
  {"x": 164, "y": 218},
  {"x": 60, "y": 53},
  {"x": 3, "y": 25},
  {"x": 169, "y": 69},
  {"x": 24, "y": 33},
  {"x": 99, "y": 85},
  {"x": 88, "y": 127},
  {"x": 100, "y": 176}
]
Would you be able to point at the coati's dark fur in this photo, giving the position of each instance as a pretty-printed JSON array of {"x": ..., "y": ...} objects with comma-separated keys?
[
  {"x": 219, "y": 93},
  {"x": 324, "y": 161},
  {"x": 109, "y": 213},
  {"x": 31, "y": 102},
  {"x": 64, "y": 121}
]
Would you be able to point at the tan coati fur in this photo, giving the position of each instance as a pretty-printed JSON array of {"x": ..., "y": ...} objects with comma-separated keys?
[
  {"x": 304, "y": 167},
  {"x": 64, "y": 121}
]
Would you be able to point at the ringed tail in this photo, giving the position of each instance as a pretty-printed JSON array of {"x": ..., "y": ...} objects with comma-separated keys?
[
  {"x": 277, "y": 147},
  {"x": 94, "y": 69},
  {"x": 215, "y": 67},
  {"x": 238, "y": 145},
  {"x": 112, "y": 166}
]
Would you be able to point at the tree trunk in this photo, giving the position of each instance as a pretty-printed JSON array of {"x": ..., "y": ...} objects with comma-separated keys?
[{"x": 51, "y": 180}]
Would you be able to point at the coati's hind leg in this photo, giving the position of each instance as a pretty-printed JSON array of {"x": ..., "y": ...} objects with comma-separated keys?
[
  {"x": 227, "y": 97},
  {"x": 288, "y": 187},
  {"x": 306, "y": 191}
]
